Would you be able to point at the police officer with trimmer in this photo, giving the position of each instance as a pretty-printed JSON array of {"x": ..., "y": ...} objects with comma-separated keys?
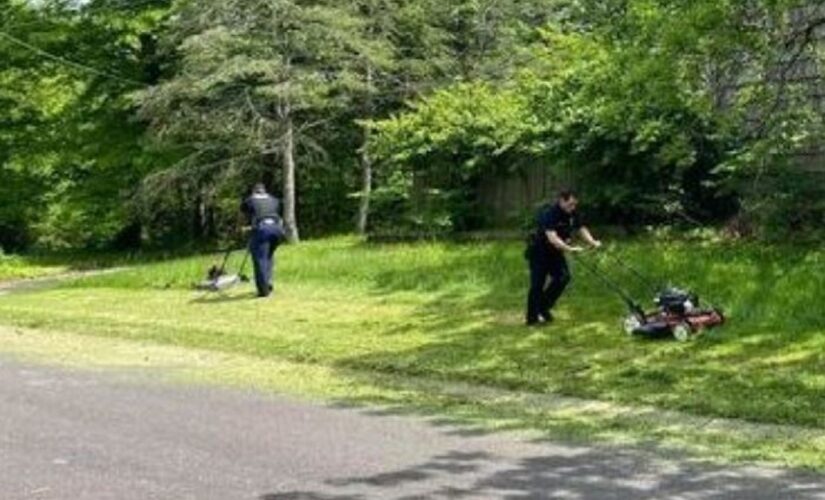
[
  {"x": 545, "y": 253},
  {"x": 268, "y": 234}
]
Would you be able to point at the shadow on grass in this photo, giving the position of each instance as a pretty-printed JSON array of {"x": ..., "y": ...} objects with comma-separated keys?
[
  {"x": 222, "y": 298},
  {"x": 476, "y": 334},
  {"x": 563, "y": 472}
]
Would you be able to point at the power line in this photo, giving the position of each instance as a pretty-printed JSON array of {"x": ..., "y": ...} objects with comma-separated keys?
[
  {"x": 67, "y": 62},
  {"x": 128, "y": 4}
]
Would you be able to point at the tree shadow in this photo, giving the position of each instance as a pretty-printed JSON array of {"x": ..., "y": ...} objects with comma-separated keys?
[
  {"x": 222, "y": 298},
  {"x": 475, "y": 335},
  {"x": 565, "y": 472}
]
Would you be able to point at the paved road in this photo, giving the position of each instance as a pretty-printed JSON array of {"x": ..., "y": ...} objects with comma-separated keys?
[{"x": 80, "y": 436}]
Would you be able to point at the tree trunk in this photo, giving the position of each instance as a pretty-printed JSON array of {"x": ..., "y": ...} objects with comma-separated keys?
[
  {"x": 290, "y": 220},
  {"x": 366, "y": 166},
  {"x": 366, "y": 186},
  {"x": 198, "y": 217}
]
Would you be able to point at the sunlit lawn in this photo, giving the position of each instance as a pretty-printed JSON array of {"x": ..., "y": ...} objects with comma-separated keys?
[{"x": 454, "y": 312}]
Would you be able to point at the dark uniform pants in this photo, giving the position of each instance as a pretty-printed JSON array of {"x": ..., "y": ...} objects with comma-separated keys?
[
  {"x": 542, "y": 298},
  {"x": 265, "y": 240}
]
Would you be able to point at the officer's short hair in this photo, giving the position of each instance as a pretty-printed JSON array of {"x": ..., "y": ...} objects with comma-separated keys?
[
  {"x": 259, "y": 188},
  {"x": 566, "y": 194}
]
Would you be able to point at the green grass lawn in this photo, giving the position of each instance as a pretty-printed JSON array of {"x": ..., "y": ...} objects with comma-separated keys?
[
  {"x": 454, "y": 313},
  {"x": 13, "y": 267}
]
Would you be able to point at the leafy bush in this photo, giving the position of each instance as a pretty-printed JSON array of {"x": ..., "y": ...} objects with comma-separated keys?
[{"x": 648, "y": 109}]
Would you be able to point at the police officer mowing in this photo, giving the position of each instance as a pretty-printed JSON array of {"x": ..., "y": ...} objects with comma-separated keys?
[
  {"x": 262, "y": 209},
  {"x": 555, "y": 227}
]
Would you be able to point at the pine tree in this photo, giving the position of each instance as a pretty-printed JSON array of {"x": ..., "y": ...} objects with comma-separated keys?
[{"x": 255, "y": 76}]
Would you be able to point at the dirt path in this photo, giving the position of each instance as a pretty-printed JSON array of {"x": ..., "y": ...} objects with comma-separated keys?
[{"x": 45, "y": 282}]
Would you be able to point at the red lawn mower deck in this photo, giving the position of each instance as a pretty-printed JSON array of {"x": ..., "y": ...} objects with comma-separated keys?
[
  {"x": 678, "y": 313},
  {"x": 681, "y": 326}
]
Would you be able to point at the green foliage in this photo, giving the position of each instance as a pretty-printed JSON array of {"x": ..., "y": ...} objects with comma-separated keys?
[
  {"x": 14, "y": 268},
  {"x": 129, "y": 123},
  {"x": 249, "y": 80},
  {"x": 648, "y": 107},
  {"x": 440, "y": 151},
  {"x": 74, "y": 154}
]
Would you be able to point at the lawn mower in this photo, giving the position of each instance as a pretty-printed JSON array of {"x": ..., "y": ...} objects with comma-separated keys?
[
  {"x": 218, "y": 280},
  {"x": 678, "y": 312}
]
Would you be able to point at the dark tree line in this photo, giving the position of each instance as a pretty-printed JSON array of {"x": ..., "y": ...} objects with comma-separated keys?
[{"x": 135, "y": 122}]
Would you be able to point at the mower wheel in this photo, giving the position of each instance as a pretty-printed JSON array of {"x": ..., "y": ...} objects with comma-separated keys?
[
  {"x": 681, "y": 332},
  {"x": 631, "y": 324}
]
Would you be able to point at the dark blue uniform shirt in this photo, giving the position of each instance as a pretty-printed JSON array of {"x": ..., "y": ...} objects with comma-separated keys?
[
  {"x": 554, "y": 218},
  {"x": 259, "y": 207}
]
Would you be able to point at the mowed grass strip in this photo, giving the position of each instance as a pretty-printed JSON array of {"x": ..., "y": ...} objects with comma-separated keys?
[{"x": 454, "y": 313}]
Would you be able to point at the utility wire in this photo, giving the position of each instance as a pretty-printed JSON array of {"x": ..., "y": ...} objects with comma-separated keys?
[
  {"x": 128, "y": 4},
  {"x": 67, "y": 62}
]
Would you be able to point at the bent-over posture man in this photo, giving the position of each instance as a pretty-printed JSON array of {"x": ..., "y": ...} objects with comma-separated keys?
[
  {"x": 262, "y": 209},
  {"x": 545, "y": 253}
]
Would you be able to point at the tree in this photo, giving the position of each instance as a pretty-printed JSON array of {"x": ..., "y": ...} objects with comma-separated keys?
[
  {"x": 254, "y": 78},
  {"x": 658, "y": 109},
  {"x": 489, "y": 39},
  {"x": 20, "y": 115},
  {"x": 412, "y": 53},
  {"x": 74, "y": 148}
]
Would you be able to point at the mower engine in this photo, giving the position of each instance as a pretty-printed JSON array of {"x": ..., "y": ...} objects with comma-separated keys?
[{"x": 676, "y": 301}]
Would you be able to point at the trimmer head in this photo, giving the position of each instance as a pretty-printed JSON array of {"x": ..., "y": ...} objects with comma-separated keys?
[{"x": 218, "y": 281}]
